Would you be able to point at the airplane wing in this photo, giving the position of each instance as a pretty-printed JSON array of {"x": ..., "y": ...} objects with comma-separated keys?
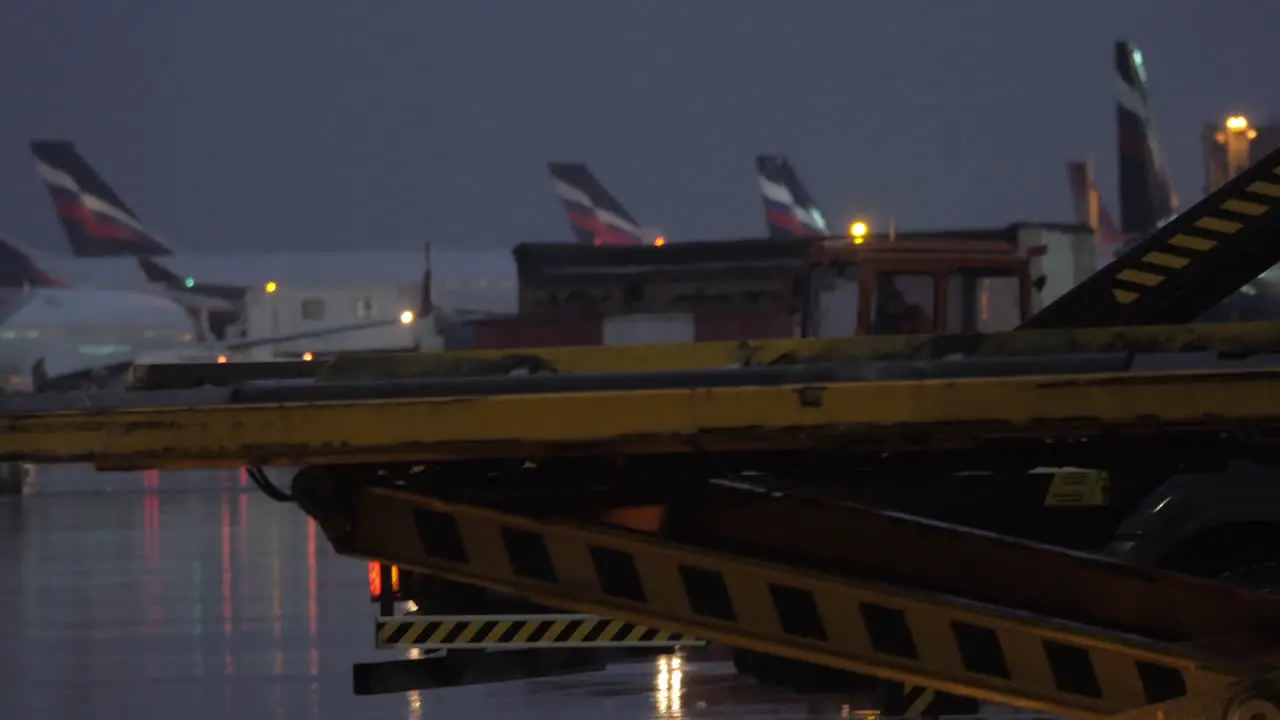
[
  {"x": 306, "y": 334},
  {"x": 100, "y": 377},
  {"x": 223, "y": 305},
  {"x": 179, "y": 286},
  {"x": 73, "y": 376}
]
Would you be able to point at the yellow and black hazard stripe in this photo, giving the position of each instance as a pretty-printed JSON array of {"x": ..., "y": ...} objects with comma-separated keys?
[
  {"x": 1187, "y": 266},
  {"x": 538, "y": 630},
  {"x": 913, "y": 701},
  {"x": 916, "y": 699},
  {"x": 953, "y": 646}
]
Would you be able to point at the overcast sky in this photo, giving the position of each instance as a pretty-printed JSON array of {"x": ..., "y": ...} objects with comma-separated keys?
[{"x": 333, "y": 124}]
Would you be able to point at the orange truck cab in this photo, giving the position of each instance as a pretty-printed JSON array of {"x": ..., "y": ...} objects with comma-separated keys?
[{"x": 916, "y": 286}]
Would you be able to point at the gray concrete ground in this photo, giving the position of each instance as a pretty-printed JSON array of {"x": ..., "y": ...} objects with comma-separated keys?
[{"x": 144, "y": 596}]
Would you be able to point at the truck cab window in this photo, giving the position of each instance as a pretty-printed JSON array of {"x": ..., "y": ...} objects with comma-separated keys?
[
  {"x": 982, "y": 302},
  {"x": 903, "y": 304},
  {"x": 833, "y": 309}
]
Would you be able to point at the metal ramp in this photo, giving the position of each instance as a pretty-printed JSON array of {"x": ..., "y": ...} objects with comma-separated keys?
[
  {"x": 1187, "y": 266},
  {"x": 426, "y": 481}
]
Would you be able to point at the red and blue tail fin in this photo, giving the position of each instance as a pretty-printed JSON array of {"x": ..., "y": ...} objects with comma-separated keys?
[
  {"x": 789, "y": 210},
  {"x": 596, "y": 216},
  {"x": 98, "y": 223},
  {"x": 18, "y": 269}
]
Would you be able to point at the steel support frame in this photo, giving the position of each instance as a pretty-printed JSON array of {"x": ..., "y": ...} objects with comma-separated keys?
[
  {"x": 1186, "y": 266},
  {"x": 866, "y": 417},
  {"x": 835, "y": 616},
  {"x": 1233, "y": 339}
]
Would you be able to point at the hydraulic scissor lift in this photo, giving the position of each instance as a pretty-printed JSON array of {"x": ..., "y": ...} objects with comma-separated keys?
[{"x": 628, "y": 520}]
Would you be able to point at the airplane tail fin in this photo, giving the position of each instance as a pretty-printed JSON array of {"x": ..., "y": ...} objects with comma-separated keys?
[
  {"x": 98, "y": 223},
  {"x": 1087, "y": 201},
  {"x": 158, "y": 274},
  {"x": 596, "y": 216},
  {"x": 789, "y": 209},
  {"x": 1147, "y": 198},
  {"x": 19, "y": 269},
  {"x": 39, "y": 376},
  {"x": 425, "y": 306},
  {"x": 213, "y": 307}
]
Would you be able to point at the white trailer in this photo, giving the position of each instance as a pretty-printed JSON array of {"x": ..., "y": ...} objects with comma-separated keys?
[{"x": 333, "y": 319}]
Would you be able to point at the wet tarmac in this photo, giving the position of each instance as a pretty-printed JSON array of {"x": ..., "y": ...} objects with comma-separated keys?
[{"x": 191, "y": 595}]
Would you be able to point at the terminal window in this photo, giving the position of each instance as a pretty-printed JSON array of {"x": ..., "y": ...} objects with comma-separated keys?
[{"x": 313, "y": 309}]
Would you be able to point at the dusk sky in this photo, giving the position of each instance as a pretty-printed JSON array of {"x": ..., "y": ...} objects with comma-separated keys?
[{"x": 336, "y": 124}]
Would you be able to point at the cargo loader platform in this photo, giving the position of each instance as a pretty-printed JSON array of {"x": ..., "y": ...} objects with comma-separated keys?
[
  {"x": 405, "y": 473},
  {"x": 599, "y": 481},
  {"x": 799, "y": 410}
]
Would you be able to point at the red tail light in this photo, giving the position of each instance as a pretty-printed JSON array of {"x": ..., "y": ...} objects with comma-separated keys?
[
  {"x": 377, "y": 572},
  {"x": 375, "y": 581}
]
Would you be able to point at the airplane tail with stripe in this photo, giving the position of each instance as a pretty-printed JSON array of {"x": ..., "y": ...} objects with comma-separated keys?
[
  {"x": 99, "y": 224},
  {"x": 97, "y": 221},
  {"x": 789, "y": 210},
  {"x": 1147, "y": 198},
  {"x": 595, "y": 215},
  {"x": 19, "y": 269}
]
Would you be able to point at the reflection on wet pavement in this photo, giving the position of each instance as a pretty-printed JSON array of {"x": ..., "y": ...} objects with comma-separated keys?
[{"x": 149, "y": 596}]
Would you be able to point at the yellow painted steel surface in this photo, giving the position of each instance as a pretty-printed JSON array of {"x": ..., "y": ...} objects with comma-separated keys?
[
  {"x": 921, "y": 638},
  {"x": 1187, "y": 265},
  {"x": 871, "y": 415},
  {"x": 1250, "y": 338}
]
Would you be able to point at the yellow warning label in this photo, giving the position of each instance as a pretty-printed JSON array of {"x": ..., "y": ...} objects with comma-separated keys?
[{"x": 1081, "y": 488}]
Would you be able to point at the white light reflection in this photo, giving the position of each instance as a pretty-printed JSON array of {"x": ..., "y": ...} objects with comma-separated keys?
[
  {"x": 313, "y": 604},
  {"x": 414, "y": 697},
  {"x": 669, "y": 684},
  {"x": 277, "y": 603}
]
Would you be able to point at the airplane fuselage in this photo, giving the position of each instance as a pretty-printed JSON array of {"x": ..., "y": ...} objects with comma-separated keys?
[{"x": 73, "y": 330}]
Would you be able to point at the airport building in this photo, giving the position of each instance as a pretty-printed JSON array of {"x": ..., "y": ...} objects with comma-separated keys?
[
  {"x": 1235, "y": 144},
  {"x": 976, "y": 280}
]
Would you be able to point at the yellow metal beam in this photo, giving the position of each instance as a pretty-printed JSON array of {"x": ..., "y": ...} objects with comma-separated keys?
[
  {"x": 867, "y": 415},
  {"x": 824, "y": 617},
  {"x": 1235, "y": 338},
  {"x": 1231, "y": 338},
  {"x": 1186, "y": 266}
]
